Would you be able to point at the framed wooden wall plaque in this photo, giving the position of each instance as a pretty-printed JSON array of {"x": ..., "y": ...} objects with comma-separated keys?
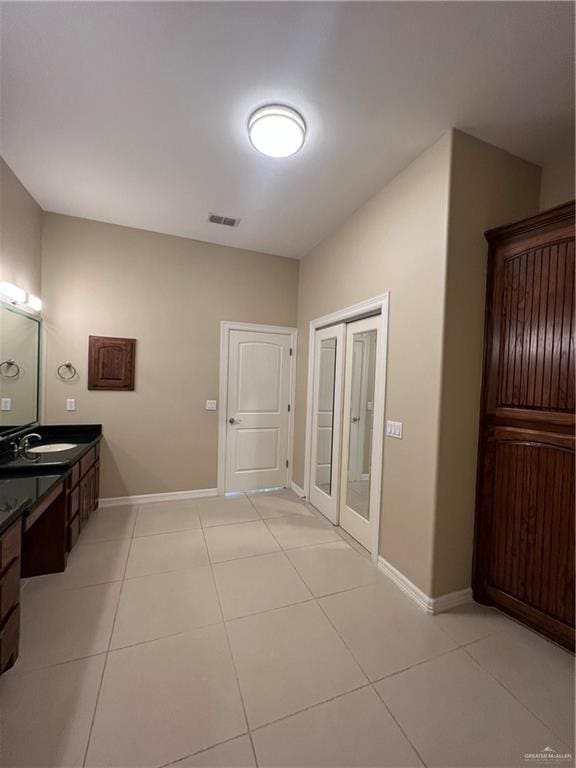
[{"x": 111, "y": 363}]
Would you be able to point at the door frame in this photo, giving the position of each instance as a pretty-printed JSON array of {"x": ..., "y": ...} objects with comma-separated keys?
[
  {"x": 226, "y": 326},
  {"x": 357, "y": 311}
]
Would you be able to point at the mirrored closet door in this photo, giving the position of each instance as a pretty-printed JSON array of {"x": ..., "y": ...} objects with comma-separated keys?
[
  {"x": 346, "y": 441},
  {"x": 326, "y": 421},
  {"x": 357, "y": 500}
]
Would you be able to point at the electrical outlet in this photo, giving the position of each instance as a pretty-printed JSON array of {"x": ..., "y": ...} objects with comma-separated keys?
[
  {"x": 394, "y": 429},
  {"x": 6, "y": 404},
  {"x": 70, "y": 404},
  {"x": 211, "y": 405}
]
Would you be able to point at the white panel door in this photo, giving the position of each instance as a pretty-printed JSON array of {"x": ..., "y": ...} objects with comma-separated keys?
[
  {"x": 257, "y": 440},
  {"x": 327, "y": 406}
]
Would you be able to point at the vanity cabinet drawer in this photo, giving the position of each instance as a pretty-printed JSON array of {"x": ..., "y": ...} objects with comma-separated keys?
[
  {"x": 9, "y": 589},
  {"x": 10, "y": 544},
  {"x": 9, "y": 635},
  {"x": 74, "y": 475},
  {"x": 73, "y": 503},
  {"x": 87, "y": 461},
  {"x": 72, "y": 532}
]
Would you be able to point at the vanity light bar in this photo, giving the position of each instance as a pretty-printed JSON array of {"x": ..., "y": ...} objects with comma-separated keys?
[
  {"x": 34, "y": 302},
  {"x": 16, "y": 295}
]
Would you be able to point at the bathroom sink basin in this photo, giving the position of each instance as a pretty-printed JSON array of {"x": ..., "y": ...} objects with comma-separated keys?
[{"x": 52, "y": 447}]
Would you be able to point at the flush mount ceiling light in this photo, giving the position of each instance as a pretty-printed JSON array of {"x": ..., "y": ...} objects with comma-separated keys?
[{"x": 276, "y": 131}]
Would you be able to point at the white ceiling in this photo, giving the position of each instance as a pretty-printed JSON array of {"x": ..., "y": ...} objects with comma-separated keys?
[{"x": 135, "y": 113}]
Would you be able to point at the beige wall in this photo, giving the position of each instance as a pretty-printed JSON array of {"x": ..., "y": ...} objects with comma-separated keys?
[
  {"x": 488, "y": 187},
  {"x": 396, "y": 242},
  {"x": 557, "y": 180},
  {"x": 20, "y": 233},
  {"x": 170, "y": 294}
]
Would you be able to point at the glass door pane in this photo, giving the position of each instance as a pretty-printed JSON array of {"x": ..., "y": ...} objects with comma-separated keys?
[
  {"x": 325, "y": 415},
  {"x": 326, "y": 424},
  {"x": 362, "y": 376}
]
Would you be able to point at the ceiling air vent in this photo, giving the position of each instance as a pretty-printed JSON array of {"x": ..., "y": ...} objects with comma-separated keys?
[{"x": 225, "y": 221}]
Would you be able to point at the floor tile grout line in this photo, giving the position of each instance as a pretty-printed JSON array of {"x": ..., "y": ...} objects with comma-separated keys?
[
  {"x": 138, "y": 643},
  {"x": 284, "y": 552},
  {"x": 514, "y": 696},
  {"x": 93, "y": 720},
  {"x": 16, "y": 673},
  {"x": 203, "y": 750},
  {"x": 413, "y": 666},
  {"x": 232, "y": 660},
  {"x": 400, "y": 728},
  {"x": 307, "y": 708},
  {"x": 370, "y": 682}
]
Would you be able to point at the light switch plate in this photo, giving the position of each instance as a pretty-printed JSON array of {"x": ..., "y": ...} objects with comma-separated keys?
[
  {"x": 211, "y": 405},
  {"x": 394, "y": 429},
  {"x": 6, "y": 404},
  {"x": 70, "y": 404}
]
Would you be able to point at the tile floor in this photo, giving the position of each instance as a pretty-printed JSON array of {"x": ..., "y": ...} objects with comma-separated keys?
[{"x": 248, "y": 631}]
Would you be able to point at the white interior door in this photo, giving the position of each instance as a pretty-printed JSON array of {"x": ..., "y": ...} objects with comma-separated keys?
[
  {"x": 326, "y": 420},
  {"x": 257, "y": 414},
  {"x": 357, "y": 501}
]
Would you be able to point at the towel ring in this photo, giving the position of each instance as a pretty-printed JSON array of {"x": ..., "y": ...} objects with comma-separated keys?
[
  {"x": 9, "y": 365},
  {"x": 72, "y": 372}
]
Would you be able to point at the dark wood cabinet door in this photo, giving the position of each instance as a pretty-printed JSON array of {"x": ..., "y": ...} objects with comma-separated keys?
[
  {"x": 524, "y": 552},
  {"x": 111, "y": 363}
]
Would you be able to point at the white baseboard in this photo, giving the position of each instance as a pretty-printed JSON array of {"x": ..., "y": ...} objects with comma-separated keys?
[
  {"x": 297, "y": 489},
  {"x": 429, "y": 604},
  {"x": 149, "y": 498},
  {"x": 451, "y": 600}
]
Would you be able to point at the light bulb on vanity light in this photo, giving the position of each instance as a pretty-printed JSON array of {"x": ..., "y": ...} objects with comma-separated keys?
[
  {"x": 12, "y": 293},
  {"x": 34, "y": 302}
]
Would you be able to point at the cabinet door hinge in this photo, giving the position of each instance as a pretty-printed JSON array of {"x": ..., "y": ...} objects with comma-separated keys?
[
  {"x": 286, "y": 463},
  {"x": 290, "y": 351},
  {"x": 288, "y": 407}
]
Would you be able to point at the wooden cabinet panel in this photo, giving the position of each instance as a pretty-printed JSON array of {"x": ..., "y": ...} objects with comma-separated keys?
[
  {"x": 72, "y": 532},
  {"x": 524, "y": 550},
  {"x": 9, "y": 636},
  {"x": 87, "y": 461},
  {"x": 75, "y": 475},
  {"x": 10, "y": 543},
  {"x": 9, "y": 589},
  {"x": 536, "y": 354},
  {"x": 111, "y": 363},
  {"x": 73, "y": 503}
]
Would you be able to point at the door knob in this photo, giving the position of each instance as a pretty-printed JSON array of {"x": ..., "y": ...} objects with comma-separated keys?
[
  {"x": 232, "y": 420},
  {"x": 355, "y": 419}
]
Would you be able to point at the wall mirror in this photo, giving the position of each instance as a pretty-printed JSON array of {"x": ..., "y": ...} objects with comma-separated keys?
[{"x": 19, "y": 368}]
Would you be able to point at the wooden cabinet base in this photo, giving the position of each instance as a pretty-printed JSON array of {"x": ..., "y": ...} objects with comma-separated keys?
[
  {"x": 44, "y": 543},
  {"x": 9, "y": 636}
]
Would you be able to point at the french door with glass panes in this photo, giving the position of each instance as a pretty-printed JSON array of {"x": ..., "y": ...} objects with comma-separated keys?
[
  {"x": 357, "y": 499},
  {"x": 345, "y": 364},
  {"x": 326, "y": 420}
]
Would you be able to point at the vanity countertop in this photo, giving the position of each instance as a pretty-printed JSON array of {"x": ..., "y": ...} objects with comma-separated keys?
[
  {"x": 85, "y": 437},
  {"x": 25, "y": 482},
  {"x": 19, "y": 494}
]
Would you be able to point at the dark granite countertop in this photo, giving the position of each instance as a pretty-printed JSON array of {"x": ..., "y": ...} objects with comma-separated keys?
[
  {"x": 18, "y": 495},
  {"x": 85, "y": 437},
  {"x": 24, "y": 482}
]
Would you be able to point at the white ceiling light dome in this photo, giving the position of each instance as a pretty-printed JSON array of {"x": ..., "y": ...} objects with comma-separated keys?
[{"x": 276, "y": 130}]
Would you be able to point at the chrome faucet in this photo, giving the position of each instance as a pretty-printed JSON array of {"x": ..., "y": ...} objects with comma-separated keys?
[{"x": 23, "y": 445}]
